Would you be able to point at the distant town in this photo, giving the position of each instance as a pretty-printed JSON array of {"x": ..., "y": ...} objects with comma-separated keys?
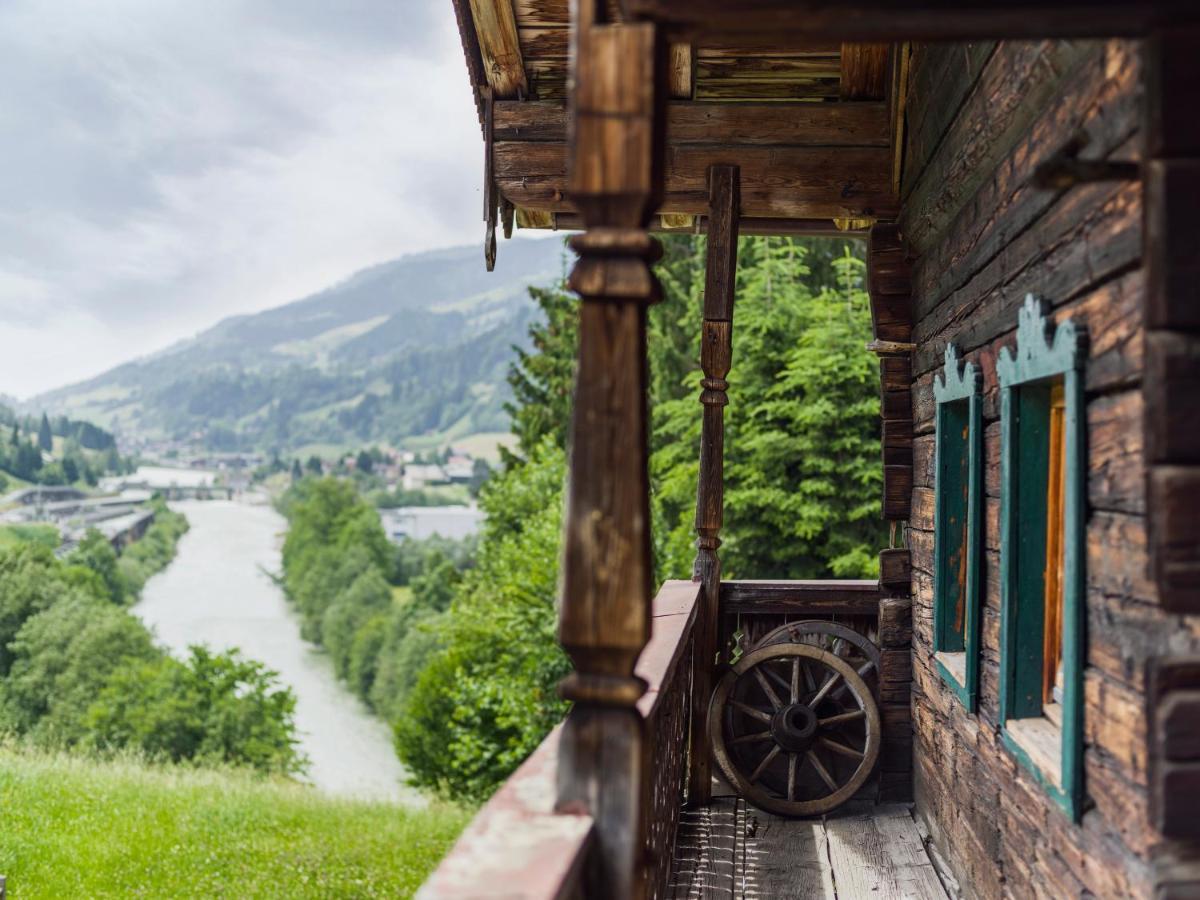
[{"x": 418, "y": 495}]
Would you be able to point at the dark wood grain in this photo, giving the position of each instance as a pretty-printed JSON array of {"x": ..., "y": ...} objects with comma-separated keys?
[
  {"x": 817, "y": 598},
  {"x": 716, "y": 353},
  {"x": 896, "y": 20},
  {"x": 604, "y": 619}
]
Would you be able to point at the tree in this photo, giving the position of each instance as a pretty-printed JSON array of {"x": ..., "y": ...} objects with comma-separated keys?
[
  {"x": 480, "y": 473},
  {"x": 802, "y": 467},
  {"x": 542, "y": 378},
  {"x": 45, "y": 435},
  {"x": 363, "y": 462},
  {"x": 313, "y": 465},
  {"x": 297, "y": 474},
  {"x": 94, "y": 552},
  {"x": 216, "y": 708},
  {"x": 485, "y": 695}
]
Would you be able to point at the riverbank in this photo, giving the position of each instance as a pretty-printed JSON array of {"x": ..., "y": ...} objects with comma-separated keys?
[
  {"x": 219, "y": 592},
  {"x": 80, "y": 828}
]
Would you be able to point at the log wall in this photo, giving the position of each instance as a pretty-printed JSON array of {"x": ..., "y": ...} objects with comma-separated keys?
[{"x": 981, "y": 118}]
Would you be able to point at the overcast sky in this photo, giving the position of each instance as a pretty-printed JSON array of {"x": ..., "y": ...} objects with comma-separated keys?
[{"x": 166, "y": 163}]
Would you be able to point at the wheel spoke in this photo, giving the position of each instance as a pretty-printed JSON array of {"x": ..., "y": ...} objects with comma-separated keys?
[
  {"x": 795, "y": 686},
  {"x": 809, "y": 681},
  {"x": 822, "y": 771},
  {"x": 751, "y": 711},
  {"x": 776, "y": 677},
  {"x": 837, "y": 747},
  {"x": 839, "y": 644},
  {"x": 791, "y": 795},
  {"x": 841, "y": 717},
  {"x": 776, "y": 703},
  {"x": 752, "y": 738},
  {"x": 825, "y": 688},
  {"x": 766, "y": 761}
]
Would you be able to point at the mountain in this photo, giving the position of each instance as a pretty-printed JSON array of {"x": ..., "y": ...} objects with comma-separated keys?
[{"x": 416, "y": 346}]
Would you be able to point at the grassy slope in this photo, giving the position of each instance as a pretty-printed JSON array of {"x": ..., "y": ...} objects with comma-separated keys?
[{"x": 77, "y": 828}]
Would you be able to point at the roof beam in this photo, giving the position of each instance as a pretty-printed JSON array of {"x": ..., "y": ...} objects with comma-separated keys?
[
  {"x": 805, "y": 182},
  {"x": 864, "y": 71},
  {"x": 500, "y": 47},
  {"x": 899, "y": 20},
  {"x": 767, "y": 124}
]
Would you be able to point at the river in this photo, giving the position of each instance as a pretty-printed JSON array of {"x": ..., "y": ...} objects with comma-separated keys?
[{"x": 217, "y": 592}]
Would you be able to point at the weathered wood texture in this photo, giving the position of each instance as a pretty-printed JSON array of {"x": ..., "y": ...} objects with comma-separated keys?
[
  {"x": 1172, "y": 380},
  {"x": 496, "y": 33},
  {"x": 716, "y": 354},
  {"x": 895, "y": 699},
  {"x": 666, "y": 665},
  {"x": 983, "y": 234},
  {"x": 605, "y": 614},
  {"x": 786, "y": 21},
  {"x": 732, "y": 850},
  {"x": 815, "y": 599},
  {"x": 889, "y": 281},
  {"x": 803, "y": 181},
  {"x": 519, "y": 841}
]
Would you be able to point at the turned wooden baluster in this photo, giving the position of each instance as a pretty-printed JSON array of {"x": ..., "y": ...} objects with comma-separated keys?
[
  {"x": 614, "y": 182},
  {"x": 716, "y": 354}
]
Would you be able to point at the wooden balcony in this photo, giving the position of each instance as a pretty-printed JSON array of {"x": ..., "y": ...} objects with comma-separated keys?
[{"x": 521, "y": 846}]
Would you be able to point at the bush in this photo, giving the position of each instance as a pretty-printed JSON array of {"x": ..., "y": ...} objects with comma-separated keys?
[
  {"x": 77, "y": 669},
  {"x": 215, "y": 708},
  {"x": 486, "y": 695}
]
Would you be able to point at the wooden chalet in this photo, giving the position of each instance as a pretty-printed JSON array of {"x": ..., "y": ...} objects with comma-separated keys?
[{"x": 1024, "y": 678}]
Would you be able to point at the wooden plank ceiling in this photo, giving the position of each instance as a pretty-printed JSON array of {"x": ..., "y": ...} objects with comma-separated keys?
[{"x": 810, "y": 124}]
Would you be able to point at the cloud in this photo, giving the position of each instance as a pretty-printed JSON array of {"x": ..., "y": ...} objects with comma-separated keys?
[{"x": 165, "y": 163}]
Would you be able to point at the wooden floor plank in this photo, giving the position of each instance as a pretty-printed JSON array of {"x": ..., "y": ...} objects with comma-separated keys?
[
  {"x": 785, "y": 858},
  {"x": 730, "y": 850},
  {"x": 704, "y": 852},
  {"x": 880, "y": 856}
]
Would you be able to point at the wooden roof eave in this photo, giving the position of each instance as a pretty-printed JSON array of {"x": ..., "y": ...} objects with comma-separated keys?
[
  {"x": 470, "y": 45},
  {"x": 784, "y": 21},
  {"x": 797, "y": 161}
]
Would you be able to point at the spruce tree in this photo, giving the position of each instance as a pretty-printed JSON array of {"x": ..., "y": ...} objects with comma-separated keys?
[{"x": 45, "y": 435}]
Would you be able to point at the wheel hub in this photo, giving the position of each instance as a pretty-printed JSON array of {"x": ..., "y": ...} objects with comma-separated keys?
[{"x": 794, "y": 727}]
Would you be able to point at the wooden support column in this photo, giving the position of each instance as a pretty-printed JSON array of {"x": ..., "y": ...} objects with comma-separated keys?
[
  {"x": 1171, "y": 388},
  {"x": 1171, "y": 385},
  {"x": 889, "y": 282},
  {"x": 615, "y": 183},
  {"x": 716, "y": 355}
]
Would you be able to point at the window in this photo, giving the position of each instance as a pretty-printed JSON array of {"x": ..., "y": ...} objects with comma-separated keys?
[
  {"x": 957, "y": 498},
  {"x": 1043, "y": 482}
]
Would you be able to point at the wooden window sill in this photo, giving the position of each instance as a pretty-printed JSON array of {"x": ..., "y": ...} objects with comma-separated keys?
[
  {"x": 954, "y": 664},
  {"x": 1041, "y": 742}
]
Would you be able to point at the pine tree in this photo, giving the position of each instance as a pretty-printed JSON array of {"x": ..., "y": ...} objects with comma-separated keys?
[
  {"x": 45, "y": 437},
  {"x": 542, "y": 378}
]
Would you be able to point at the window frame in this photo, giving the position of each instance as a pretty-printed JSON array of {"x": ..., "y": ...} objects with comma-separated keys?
[
  {"x": 957, "y": 386},
  {"x": 1039, "y": 358}
]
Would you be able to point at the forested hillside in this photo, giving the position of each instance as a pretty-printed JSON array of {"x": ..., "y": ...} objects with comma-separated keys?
[
  {"x": 411, "y": 347},
  {"x": 54, "y": 451}
]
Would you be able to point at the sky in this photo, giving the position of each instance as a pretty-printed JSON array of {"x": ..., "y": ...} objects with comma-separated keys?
[{"x": 167, "y": 163}]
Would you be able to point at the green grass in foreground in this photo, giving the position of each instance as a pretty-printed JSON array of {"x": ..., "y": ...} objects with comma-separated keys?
[{"x": 71, "y": 827}]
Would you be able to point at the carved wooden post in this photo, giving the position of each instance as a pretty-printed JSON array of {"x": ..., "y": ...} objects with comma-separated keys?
[
  {"x": 615, "y": 183},
  {"x": 716, "y": 354}
]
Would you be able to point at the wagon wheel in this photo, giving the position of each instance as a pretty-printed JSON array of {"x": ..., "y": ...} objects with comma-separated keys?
[
  {"x": 786, "y": 737},
  {"x": 857, "y": 649}
]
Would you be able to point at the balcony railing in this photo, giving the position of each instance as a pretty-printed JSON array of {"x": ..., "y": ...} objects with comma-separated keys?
[
  {"x": 518, "y": 840},
  {"x": 519, "y": 846}
]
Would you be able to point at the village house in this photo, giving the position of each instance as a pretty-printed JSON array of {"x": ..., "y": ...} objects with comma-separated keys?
[{"x": 1013, "y": 708}]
